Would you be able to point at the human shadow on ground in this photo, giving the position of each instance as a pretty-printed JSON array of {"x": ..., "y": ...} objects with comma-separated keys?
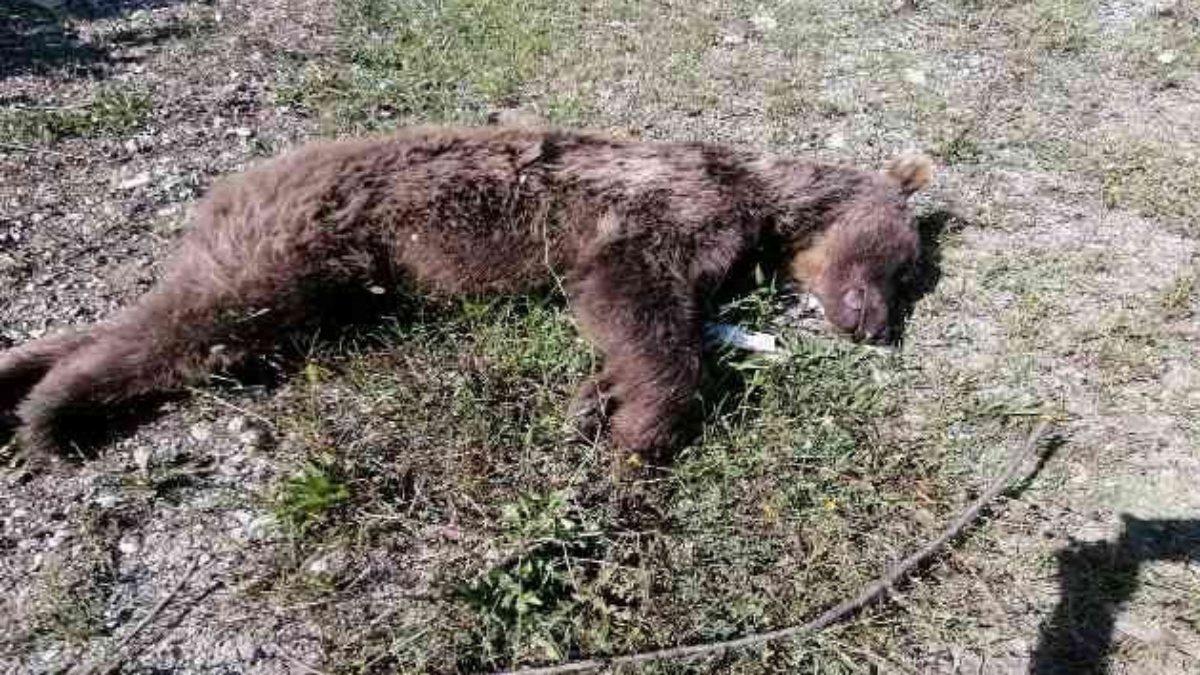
[
  {"x": 41, "y": 37},
  {"x": 1095, "y": 580}
]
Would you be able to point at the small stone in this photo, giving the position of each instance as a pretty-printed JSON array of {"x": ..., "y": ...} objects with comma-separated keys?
[
  {"x": 914, "y": 76},
  {"x": 924, "y": 518},
  {"x": 1167, "y": 58},
  {"x": 57, "y": 539},
  {"x": 200, "y": 431},
  {"x": 236, "y": 425},
  {"x": 329, "y": 564},
  {"x": 107, "y": 500},
  {"x": 376, "y": 290},
  {"x": 764, "y": 22},
  {"x": 130, "y": 544},
  {"x": 733, "y": 40},
  {"x": 252, "y": 438},
  {"x": 242, "y": 132},
  {"x": 836, "y": 141},
  {"x": 141, "y": 457},
  {"x": 1140, "y": 631},
  {"x": 262, "y": 527},
  {"x": 137, "y": 181},
  {"x": 231, "y": 464}
]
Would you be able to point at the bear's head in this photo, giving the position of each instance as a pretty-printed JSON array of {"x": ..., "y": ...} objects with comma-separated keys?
[{"x": 852, "y": 262}]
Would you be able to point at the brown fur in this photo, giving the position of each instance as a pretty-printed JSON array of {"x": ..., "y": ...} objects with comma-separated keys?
[{"x": 639, "y": 232}]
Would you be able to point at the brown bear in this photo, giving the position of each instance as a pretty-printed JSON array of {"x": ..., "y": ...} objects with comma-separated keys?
[{"x": 638, "y": 233}]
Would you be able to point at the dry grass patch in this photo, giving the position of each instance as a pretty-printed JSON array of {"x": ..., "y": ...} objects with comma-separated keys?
[{"x": 1155, "y": 179}]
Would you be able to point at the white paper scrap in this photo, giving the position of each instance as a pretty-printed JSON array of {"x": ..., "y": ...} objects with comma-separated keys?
[{"x": 740, "y": 338}]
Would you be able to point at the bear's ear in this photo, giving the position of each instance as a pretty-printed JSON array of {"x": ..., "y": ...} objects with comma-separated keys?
[{"x": 912, "y": 172}]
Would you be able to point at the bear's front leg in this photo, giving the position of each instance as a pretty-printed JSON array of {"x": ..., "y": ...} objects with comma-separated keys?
[{"x": 649, "y": 331}]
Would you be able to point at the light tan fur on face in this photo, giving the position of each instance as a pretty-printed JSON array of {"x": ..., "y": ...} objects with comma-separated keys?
[{"x": 809, "y": 263}]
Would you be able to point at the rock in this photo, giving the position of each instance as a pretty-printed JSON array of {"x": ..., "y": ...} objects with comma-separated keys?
[
  {"x": 236, "y": 425},
  {"x": 764, "y": 22},
  {"x": 107, "y": 500},
  {"x": 141, "y": 457},
  {"x": 262, "y": 528},
  {"x": 58, "y": 538},
  {"x": 253, "y": 438},
  {"x": 137, "y": 181},
  {"x": 200, "y": 431},
  {"x": 327, "y": 564},
  {"x": 130, "y": 544},
  {"x": 914, "y": 76}
]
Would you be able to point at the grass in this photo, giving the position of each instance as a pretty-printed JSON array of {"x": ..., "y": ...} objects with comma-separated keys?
[
  {"x": 113, "y": 111},
  {"x": 1156, "y": 179},
  {"x": 73, "y": 612},
  {"x": 525, "y": 603},
  {"x": 434, "y": 60},
  {"x": 469, "y": 404},
  {"x": 1180, "y": 299},
  {"x": 308, "y": 498},
  {"x": 1163, "y": 49},
  {"x": 1061, "y": 26},
  {"x": 71, "y": 603}
]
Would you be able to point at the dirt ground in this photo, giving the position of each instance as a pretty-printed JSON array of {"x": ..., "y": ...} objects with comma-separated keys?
[{"x": 406, "y": 503}]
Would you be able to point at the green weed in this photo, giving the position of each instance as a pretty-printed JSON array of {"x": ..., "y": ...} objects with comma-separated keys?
[
  {"x": 433, "y": 60},
  {"x": 309, "y": 498},
  {"x": 112, "y": 112},
  {"x": 525, "y": 603}
]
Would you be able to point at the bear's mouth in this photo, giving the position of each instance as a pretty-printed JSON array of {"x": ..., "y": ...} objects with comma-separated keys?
[
  {"x": 813, "y": 304},
  {"x": 807, "y": 314}
]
